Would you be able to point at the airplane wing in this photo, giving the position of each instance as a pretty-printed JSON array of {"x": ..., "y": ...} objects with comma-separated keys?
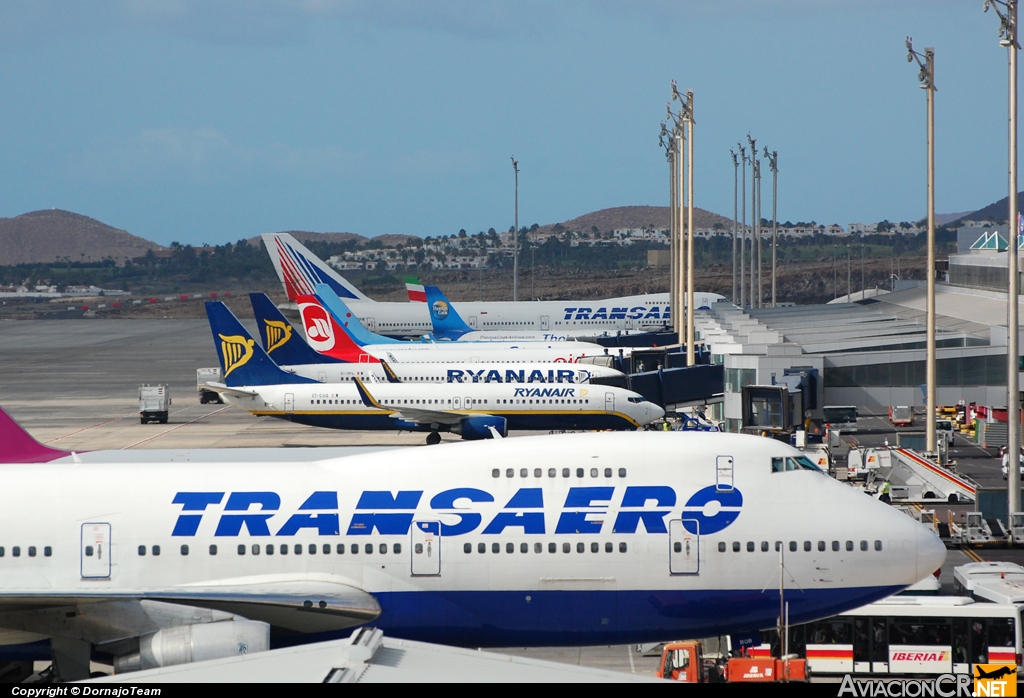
[
  {"x": 237, "y": 392},
  {"x": 410, "y": 413}
]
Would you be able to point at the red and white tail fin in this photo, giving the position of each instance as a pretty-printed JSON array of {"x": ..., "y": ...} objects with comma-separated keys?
[
  {"x": 18, "y": 446},
  {"x": 417, "y": 294},
  {"x": 326, "y": 336},
  {"x": 300, "y": 270}
]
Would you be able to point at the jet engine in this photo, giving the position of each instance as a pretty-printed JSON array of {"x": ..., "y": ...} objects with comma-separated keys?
[
  {"x": 195, "y": 643},
  {"x": 474, "y": 428}
]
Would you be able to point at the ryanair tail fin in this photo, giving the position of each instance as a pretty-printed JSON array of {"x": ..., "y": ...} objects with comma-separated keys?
[
  {"x": 447, "y": 323},
  {"x": 389, "y": 372},
  {"x": 346, "y": 317},
  {"x": 18, "y": 446},
  {"x": 417, "y": 294},
  {"x": 364, "y": 395},
  {"x": 327, "y": 336},
  {"x": 242, "y": 361},
  {"x": 280, "y": 340},
  {"x": 300, "y": 270}
]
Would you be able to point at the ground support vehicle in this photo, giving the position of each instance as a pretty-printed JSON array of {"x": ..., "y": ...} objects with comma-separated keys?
[
  {"x": 203, "y": 377},
  {"x": 154, "y": 401},
  {"x": 901, "y": 416},
  {"x": 685, "y": 662}
]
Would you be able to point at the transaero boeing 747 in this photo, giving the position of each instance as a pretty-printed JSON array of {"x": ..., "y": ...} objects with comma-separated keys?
[
  {"x": 573, "y": 539},
  {"x": 474, "y": 410},
  {"x": 300, "y": 271}
]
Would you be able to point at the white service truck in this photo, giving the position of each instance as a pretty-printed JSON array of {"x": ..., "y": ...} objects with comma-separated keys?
[
  {"x": 204, "y": 376},
  {"x": 154, "y": 401}
]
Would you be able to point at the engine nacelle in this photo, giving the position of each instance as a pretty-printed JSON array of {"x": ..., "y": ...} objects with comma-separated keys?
[
  {"x": 474, "y": 428},
  {"x": 195, "y": 643}
]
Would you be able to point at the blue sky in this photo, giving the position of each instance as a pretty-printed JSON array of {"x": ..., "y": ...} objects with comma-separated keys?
[{"x": 216, "y": 120}]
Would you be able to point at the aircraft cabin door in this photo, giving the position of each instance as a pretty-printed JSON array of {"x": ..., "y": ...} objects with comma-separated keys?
[
  {"x": 426, "y": 548},
  {"x": 545, "y": 323},
  {"x": 289, "y": 402},
  {"x": 457, "y": 402},
  {"x": 95, "y": 551},
  {"x": 370, "y": 324},
  {"x": 684, "y": 553},
  {"x": 724, "y": 474},
  {"x": 472, "y": 321},
  {"x": 609, "y": 402}
]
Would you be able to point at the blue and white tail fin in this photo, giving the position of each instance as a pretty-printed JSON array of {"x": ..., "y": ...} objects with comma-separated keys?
[
  {"x": 300, "y": 270},
  {"x": 242, "y": 361},
  {"x": 447, "y": 323},
  {"x": 336, "y": 306},
  {"x": 280, "y": 340}
]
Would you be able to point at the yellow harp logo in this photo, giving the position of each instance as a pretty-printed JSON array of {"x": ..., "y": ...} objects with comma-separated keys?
[
  {"x": 278, "y": 334},
  {"x": 236, "y": 350}
]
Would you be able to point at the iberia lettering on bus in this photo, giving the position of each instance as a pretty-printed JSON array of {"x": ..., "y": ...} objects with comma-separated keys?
[{"x": 920, "y": 656}]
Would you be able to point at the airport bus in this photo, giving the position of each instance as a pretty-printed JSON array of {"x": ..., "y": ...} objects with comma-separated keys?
[
  {"x": 841, "y": 418},
  {"x": 904, "y": 635}
]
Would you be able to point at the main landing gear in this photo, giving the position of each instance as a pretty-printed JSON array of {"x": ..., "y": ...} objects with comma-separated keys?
[{"x": 433, "y": 438}]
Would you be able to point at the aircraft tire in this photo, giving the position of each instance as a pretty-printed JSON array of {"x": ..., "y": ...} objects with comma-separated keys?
[{"x": 433, "y": 438}]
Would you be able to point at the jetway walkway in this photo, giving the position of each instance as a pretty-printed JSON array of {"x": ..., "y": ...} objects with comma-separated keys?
[{"x": 674, "y": 387}]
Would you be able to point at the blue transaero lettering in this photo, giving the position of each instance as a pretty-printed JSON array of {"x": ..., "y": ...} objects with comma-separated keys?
[
  {"x": 638, "y": 312},
  {"x": 509, "y": 375},
  {"x": 585, "y": 510}
]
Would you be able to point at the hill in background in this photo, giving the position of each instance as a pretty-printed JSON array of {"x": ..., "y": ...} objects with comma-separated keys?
[
  {"x": 608, "y": 219},
  {"x": 54, "y": 235}
]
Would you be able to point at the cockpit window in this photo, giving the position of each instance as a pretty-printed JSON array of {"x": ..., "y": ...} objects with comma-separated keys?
[
  {"x": 805, "y": 464},
  {"x": 781, "y": 465},
  {"x": 637, "y": 400}
]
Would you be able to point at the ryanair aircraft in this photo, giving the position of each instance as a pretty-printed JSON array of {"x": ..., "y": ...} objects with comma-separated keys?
[
  {"x": 575, "y": 539},
  {"x": 473, "y": 410},
  {"x": 300, "y": 271},
  {"x": 288, "y": 350}
]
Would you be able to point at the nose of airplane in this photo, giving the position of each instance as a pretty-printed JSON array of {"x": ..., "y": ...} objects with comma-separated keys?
[
  {"x": 654, "y": 412},
  {"x": 931, "y": 553}
]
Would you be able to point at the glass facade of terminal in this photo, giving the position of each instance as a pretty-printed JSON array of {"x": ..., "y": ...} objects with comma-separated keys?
[
  {"x": 949, "y": 373},
  {"x": 990, "y": 278}
]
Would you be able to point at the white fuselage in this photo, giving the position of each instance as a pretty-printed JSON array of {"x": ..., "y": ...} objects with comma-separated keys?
[{"x": 461, "y": 373}]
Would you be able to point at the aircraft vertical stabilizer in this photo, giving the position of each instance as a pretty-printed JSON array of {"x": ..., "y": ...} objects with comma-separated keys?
[
  {"x": 332, "y": 302},
  {"x": 447, "y": 322},
  {"x": 242, "y": 361},
  {"x": 300, "y": 270},
  {"x": 280, "y": 340},
  {"x": 18, "y": 446}
]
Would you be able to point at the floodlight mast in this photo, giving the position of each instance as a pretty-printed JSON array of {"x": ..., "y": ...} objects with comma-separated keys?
[
  {"x": 686, "y": 117},
  {"x": 773, "y": 165},
  {"x": 515, "y": 238},
  {"x": 1006, "y": 10},
  {"x": 926, "y": 78},
  {"x": 743, "y": 227},
  {"x": 754, "y": 232},
  {"x": 667, "y": 141},
  {"x": 735, "y": 189}
]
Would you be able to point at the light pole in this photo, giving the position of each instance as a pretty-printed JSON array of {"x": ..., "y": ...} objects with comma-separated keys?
[
  {"x": 835, "y": 275},
  {"x": 773, "y": 164},
  {"x": 760, "y": 236},
  {"x": 515, "y": 238},
  {"x": 743, "y": 229},
  {"x": 849, "y": 288},
  {"x": 753, "y": 214},
  {"x": 667, "y": 141},
  {"x": 686, "y": 115},
  {"x": 926, "y": 77},
  {"x": 1008, "y": 39},
  {"x": 735, "y": 189}
]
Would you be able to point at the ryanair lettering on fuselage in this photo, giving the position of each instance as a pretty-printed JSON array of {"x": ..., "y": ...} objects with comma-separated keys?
[
  {"x": 642, "y": 508},
  {"x": 637, "y": 312},
  {"x": 458, "y": 375}
]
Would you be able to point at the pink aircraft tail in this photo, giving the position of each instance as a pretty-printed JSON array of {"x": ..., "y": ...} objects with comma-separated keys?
[{"x": 18, "y": 446}]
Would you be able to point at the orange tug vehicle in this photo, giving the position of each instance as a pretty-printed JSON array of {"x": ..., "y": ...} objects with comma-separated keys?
[{"x": 684, "y": 662}]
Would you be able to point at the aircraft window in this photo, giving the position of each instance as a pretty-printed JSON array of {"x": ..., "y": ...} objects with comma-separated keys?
[
  {"x": 579, "y": 472},
  {"x": 495, "y": 473},
  {"x": 538, "y": 547},
  {"x": 156, "y": 549},
  {"x": 255, "y": 548},
  {"x": 241, "y": 549},
  {"x": 565, "y": 472},
  {"x": 537, "y": 472},
  {"x": 792, "y": 546},
  {"x": 750, "y": 546},
  {"x": 2, "y": 551},
  {"x": 607, "y": 472},
  {"x": 849, "y": 545},
  {"x": 510, "y": 472},
  {"x": 467, "y": 548},
  {"x": 593, "y": 472},
  {"x": 778, "y": 465},
  {"x": 312, "y": 548},
  {"x": 821, "y": 546},
  {"x": 481, "y": 547},
  {"x": 354, "y": 549},
  {"x": 510, "y": 547},
  {"x": 340, "y": 549},
  {"x": 566, "y": 547},
  {"x": 677, "y": 547},
  {"x": 284, "y": 549},
  {"x": 863, "y": 545},
  {"x": 16, "y": 551},
  {"x": 524, "y": 547},
  {"x": 298, "y": 549},
  {"x": 735, "y": 546},
  {"x": 213, "y": 549},
  {"x": 495, "y": 547},
  {"x": 184, "y": 550},
  {"x": 523, "y": 472},
  {"x": 807, "y": 546},
  {"x": 418, "y": 548},
  {"x": 721, "y": 547},
  {"x": 552, "y": 547},
  {"x": 383, "y": 548},
  {"x": 622, "y": 472},
  {"x": 878, "y": 545},
  {"x": 47, "y": 551},
  {"x": 142, "y": 551},
  {"x": 764, "y": 546},
  {"x": 31, "y": 551},
  {"x": 327, "y": 549},
  {"x": 368, "y": 548},
  {"x": 778, "y": 546},
  {"x": 270, "y": 549},
  {"x": 622, "y": 547},
  {"x": 608, "y": 547},
  {"x": 835, "y": 546},
  {"x": 580, "y": 547}
]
